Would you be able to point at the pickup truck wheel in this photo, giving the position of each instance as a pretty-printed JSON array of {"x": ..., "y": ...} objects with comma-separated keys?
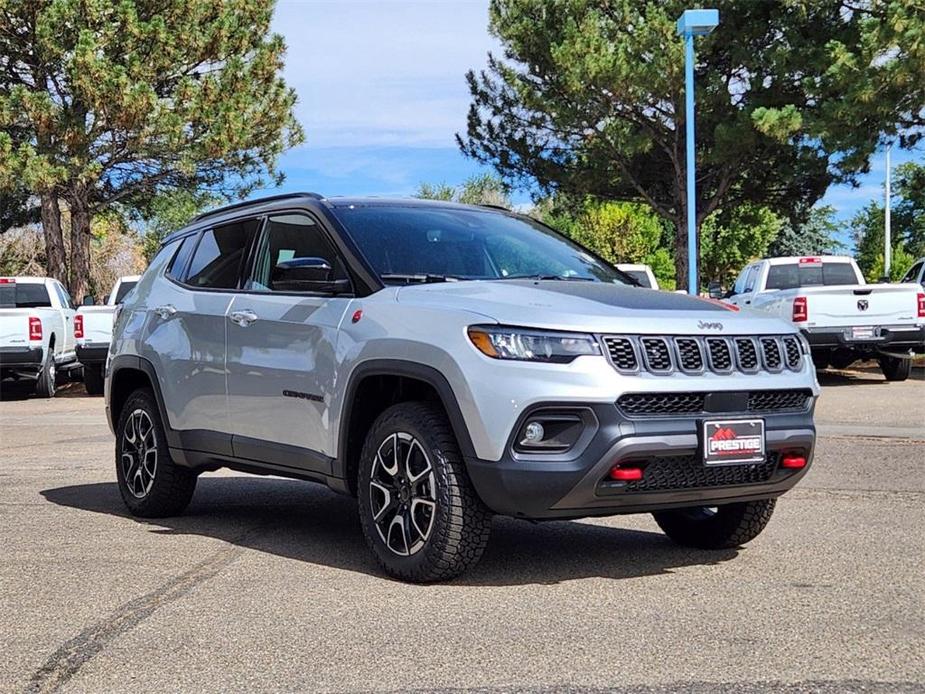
[
  {"x": 93, "y": 379},
  {"x": 151, "y": 484},
  {"x": 45, "y": 385},
  {"x": 895, "y": 368},
  {"x": 419, "y": 513},
  {"x": 716, "y": 527}
]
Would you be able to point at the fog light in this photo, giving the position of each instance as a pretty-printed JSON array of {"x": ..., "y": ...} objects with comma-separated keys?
[
  {"x": 625, "y": 474},
  {"x": 533, "y": 433}
]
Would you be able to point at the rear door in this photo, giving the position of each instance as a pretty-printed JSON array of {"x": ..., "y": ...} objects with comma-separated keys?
[
  {"x": 282, "y": 338},
  {"x": 66, "y": 313}
]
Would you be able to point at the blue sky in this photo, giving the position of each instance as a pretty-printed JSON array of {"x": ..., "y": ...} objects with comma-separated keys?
[{"x": 382, "y": 93}]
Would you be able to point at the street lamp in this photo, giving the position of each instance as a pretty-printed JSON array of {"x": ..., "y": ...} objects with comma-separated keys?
[{"x": 690, "y": 24}]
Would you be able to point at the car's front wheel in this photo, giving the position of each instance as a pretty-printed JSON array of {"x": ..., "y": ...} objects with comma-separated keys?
[
  {"x": 716, "y": 527},
  {"x": 151, "y": 484},
  {"x": 420, "y": 515}
]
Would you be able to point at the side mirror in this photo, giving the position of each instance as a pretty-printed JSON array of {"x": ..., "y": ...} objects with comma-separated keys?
[
  {"x": 715, "y": 290},
  {"x": 307, "y": 275},
  {"x": 88, "y": 300}
]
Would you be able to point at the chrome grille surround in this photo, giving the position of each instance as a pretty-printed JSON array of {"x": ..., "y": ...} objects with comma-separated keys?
[{"x": 693, "y": 355}]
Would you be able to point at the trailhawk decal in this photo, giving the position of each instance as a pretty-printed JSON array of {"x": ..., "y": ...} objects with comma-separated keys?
[{"x": 733, "y": 442}]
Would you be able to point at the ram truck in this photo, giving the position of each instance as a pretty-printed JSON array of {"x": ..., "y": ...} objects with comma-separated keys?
[
  {"x": 843, "y": 318},
  {"x": 36, "y": 331},
  {"x": 443, "y": 363},
  {"x": 93, "y": 332}
]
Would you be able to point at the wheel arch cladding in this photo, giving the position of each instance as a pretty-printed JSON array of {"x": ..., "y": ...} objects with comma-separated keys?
[
  {"x": 375, "y": 386},
  {"x": 128, "y": 373}
]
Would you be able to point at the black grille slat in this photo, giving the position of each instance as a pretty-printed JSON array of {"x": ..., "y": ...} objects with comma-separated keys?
[
  {"x": 778, "y": 400},
  {"x": 689, "y": 472},
  {"x": 658, "y": 356},
  {"x": 792, "y": 352},
  {"x": 655, "y": 404},
  {"x": 770, "y": 351},
  {"x": 746, "y": 353},
  {"x": 720, "y": 357},
  {"x": 689, "y": 354},
  {"x": 621, "y": 353}
]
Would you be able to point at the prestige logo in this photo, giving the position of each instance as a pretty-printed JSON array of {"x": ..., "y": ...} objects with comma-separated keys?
[{"x": 704, "y": 325}]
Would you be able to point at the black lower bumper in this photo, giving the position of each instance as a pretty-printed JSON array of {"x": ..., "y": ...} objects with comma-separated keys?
[
  {"x": 891, "y": 337},
  {"x": 92, "y": 354},
  {"x": 579, "y": 486},
  {"x": 22, "y": 357}
]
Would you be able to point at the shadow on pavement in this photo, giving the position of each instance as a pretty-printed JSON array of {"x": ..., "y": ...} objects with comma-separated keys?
[{"x": 309, "y": 523}]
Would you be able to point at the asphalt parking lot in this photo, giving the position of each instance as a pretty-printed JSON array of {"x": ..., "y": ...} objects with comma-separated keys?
[{"x": 266, "y": 585}]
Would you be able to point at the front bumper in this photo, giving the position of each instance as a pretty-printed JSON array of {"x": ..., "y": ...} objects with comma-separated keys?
[
  {"x": 576, "y": 484},
  {"x": 22, "y": 357},
  {"x": 92, "y": 353},
  {"x": 893, "y": 337}
]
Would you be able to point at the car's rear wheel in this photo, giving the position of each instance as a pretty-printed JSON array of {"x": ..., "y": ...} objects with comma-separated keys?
[
  {"x": 93, "y": 379},
  {"x": 151, "y": 484},
  {"x": 716, "y": 527},
  {"x": 896, "y": 368},
  {"x": 46, "y": 383},
  {"x": 419, "y": 513}
]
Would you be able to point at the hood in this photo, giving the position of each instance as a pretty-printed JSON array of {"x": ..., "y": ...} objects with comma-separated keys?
[{"x": 593, "y": 307}]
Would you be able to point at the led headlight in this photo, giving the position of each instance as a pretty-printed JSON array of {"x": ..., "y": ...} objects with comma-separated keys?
[{"x": 522, "y": 344}]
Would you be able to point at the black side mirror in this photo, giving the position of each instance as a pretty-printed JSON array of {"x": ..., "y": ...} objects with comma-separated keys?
[
  {"x": 307, "y": 275},
  {"x": 88, "y": 300},
  {"x": 715, "y": 290}
]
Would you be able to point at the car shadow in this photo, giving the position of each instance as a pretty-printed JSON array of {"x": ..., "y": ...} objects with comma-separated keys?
[
  {"x": 309, "y": 523},
  {"x": 830, "y": 379},
  {"x": 11, "y": 390}
]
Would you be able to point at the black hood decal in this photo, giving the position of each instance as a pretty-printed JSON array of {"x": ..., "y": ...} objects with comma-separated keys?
[{"x": 620, "y": 296}]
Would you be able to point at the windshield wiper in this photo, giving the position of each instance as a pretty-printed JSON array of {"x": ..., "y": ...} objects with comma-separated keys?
[
  {"x": 563, "y": 278},
  {"x": 424, "y": 278}
]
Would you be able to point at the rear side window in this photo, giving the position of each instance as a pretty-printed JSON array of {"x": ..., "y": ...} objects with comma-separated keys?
[
  {"x": 24, "y": 296},
  {"x": 181, "y": 257},
  {"x": 794, "y": 275},
  {"x": 217, "y": 261},
  {"x": 124, "y": 289}
]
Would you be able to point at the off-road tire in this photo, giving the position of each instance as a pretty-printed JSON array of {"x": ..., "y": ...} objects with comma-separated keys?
[
  {"x": 724, "y": 527},
  {"x": 45, "y": 385},
  {"x": 461, "y": 522},
  {"x": 173, "y": 485},
  {"x": 93, "y": 379},
  {"x": 895, "y": 368}
]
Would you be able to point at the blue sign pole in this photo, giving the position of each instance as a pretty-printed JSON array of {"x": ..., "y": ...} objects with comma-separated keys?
[{"x": 692, "y": 287}]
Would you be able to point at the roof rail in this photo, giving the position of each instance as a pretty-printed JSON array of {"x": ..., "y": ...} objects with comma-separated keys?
[
  {"x": 245, "y": 203},
  {"x": 492, "y": 206}
]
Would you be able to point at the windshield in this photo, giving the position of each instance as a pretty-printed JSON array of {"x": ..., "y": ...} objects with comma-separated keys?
[
  {"x": 432, "y": 243},
  {"x": 794, "y": 275},
  {"x": 640, "y": 276},
  {"x": 24, "y": 296}
]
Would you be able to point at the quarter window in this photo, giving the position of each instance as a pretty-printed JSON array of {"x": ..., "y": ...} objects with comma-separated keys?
[{"x": 217, "y": 262}]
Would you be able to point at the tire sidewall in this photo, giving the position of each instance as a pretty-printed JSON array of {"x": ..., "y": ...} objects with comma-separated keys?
[{"x": 141, "y": 400}]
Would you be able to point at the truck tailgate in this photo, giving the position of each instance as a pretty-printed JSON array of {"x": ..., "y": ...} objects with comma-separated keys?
[
  {"x": 14, "y": 326},
  {"x": 97, "y": 324},
  {"x": 871, "y": 304}
]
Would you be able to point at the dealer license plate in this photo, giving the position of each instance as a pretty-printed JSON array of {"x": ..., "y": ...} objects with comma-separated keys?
[
  {"x": 733, "y": 441},
  {"x": 864, "y": 333}
]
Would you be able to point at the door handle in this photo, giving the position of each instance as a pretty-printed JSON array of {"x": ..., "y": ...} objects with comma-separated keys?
[
  {"x": 166, "y": 311},
  {"x": 243, "y": 318}
]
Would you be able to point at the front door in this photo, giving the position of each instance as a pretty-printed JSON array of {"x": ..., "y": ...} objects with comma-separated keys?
[{"x": 281, "y": 341}]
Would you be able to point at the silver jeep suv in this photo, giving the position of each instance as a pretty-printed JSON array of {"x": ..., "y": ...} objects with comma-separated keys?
[{"x": 442, "y": 363}]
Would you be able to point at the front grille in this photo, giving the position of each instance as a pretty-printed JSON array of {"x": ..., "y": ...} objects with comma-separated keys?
[
  {"x": 658, "y": 356},
  {"x": 621, "y": 353},
  {"x": 689, "y": 472},
  {"x": 778, "y": 400},
  {"x": 756, "y": 401},
  {"x": 654, "y": 404},
  {"x": 692, "y": 355}
]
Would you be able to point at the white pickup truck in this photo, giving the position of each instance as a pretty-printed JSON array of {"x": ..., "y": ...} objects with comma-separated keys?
[
  {"x": 93, "y": 332},
  {"x": 36, "y": 331},
  {"x": 641, "y": 273},
  {"x": 843, "y": 318}
]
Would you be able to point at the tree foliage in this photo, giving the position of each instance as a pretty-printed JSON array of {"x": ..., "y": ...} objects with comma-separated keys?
[
  {"x": 167, "y": 212},
  {"x": 107, "y": 102},
  {"x": 792, "y": 95},
  {"x": 732, "y": 239},
  {"x": 817, "y": 235},
  {"x": 481, "y": 189}
]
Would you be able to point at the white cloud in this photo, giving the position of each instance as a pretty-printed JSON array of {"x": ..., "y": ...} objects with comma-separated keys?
[{"x": 382, "y": 73}]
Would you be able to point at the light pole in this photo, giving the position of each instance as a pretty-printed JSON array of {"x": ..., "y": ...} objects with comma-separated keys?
[
  {"x": 690, "y": 24},
  {"x": 887, "y": 241}
]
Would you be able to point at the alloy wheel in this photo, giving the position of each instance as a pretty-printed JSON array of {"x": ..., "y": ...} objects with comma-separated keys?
[
  {"x": 139, "y": 453},
  {"x": 402, "y": 494}
]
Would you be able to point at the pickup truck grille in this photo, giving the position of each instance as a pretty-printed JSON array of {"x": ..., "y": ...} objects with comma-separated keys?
[
  {"x": 752, "y": 402},
  {"x": 689, "y": 472},
  {"x": 693, "y": 355}
]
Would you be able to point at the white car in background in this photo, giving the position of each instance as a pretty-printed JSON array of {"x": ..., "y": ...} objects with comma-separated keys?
[
  {"x": 93, "y": 332},
  {"x": 841, "y": 316},
  {"x": 641, "y": 273},
  {"x": 36, "y": 331},
  {"x": 916, "y": 273}
]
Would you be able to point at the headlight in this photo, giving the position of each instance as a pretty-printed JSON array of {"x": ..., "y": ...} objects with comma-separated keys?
[{"x": 500, "y": 342}]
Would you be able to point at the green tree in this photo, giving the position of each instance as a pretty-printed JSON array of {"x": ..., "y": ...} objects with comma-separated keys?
[
  {"x": 481, "y": 189},
  {"x": 816, "y": 236},
  {"x": 107, "y": 102},
  {"x": 908, "y": 212},
  {"x": 166, "y": 213},
  {"x": 791, "y": 96},
  {"x": 732, "y": 239}
]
